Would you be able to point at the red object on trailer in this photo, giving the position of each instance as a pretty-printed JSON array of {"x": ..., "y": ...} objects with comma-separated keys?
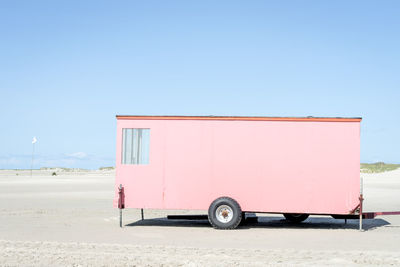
[{"x": 121, "y": 198}]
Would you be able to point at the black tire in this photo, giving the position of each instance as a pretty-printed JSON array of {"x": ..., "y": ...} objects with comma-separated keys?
[
  {"x": 243, "y": 220},
  {"x": 342, "y": 217},
  {"x": 295, "y": 217},
  {"x": 224, "y": 213}
]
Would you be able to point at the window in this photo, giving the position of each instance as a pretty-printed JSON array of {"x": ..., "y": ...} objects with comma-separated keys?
[{"x": 135, "y": 146}]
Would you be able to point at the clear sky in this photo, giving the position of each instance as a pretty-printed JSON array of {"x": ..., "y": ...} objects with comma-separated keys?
[{"x": 68, "y": 67}]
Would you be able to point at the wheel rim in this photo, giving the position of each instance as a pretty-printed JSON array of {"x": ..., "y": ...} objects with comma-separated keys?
[{"x": 224, "y": 213}]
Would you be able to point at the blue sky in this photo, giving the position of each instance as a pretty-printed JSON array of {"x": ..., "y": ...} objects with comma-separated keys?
[{"x": 68, "y": 67}]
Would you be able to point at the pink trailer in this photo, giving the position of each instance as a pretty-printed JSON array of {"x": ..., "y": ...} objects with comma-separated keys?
[{"x": 232, "y": 165}]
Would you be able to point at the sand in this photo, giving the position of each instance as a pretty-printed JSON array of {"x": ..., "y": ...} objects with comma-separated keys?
[{"x": 68, "y": 220}]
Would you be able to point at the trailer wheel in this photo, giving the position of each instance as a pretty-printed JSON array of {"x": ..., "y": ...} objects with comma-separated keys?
[
  {"x": 295, "y": 217},
  {"x": 224, "y": 213}
]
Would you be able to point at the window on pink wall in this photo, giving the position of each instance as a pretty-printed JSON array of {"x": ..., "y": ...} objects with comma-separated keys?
[{"x": 135, "y": 146}]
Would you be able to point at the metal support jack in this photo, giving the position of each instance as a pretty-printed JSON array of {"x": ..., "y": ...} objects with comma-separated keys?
[
  {"x": 361, "y": 203},
  {"x": 120, "y": 218},
  {"x": 121, "y": 202}
]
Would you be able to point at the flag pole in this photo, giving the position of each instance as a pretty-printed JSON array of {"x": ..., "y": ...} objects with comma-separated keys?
[{"x": 33, "y": 152}]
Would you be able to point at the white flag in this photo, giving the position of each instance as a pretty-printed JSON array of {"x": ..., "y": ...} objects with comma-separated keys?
[{"x": 34, "y": 140}]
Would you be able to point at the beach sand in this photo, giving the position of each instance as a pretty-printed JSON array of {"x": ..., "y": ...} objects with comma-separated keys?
[{"x": 68, "y": 220}]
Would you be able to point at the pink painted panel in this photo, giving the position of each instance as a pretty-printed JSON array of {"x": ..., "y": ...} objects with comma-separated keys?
[{"x": 267, "y": 166}]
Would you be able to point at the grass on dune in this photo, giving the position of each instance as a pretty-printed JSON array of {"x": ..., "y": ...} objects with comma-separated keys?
[{"x": 378, "y": 167}]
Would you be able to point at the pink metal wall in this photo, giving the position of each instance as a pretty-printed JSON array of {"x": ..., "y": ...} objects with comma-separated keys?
[{"x": 267, "y": 166}]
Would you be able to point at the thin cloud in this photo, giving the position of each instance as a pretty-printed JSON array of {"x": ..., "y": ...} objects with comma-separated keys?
[
  {"x": 70, "y": 160},
  {"x": 78, "y": 155}
]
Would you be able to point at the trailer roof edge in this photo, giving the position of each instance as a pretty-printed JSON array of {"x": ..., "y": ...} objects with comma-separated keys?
[{"x": 238, "y": 118}]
